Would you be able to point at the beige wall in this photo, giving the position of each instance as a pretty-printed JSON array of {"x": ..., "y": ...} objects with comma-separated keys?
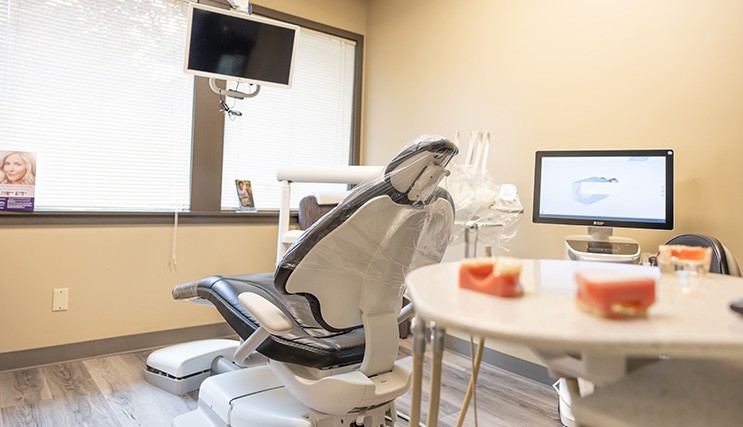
[
  {"x": 119, "y": 277},
  {"x": 540, "y": 75},
  {"x": 569, "y": 75},
  {"x": 349, "y": 15}
]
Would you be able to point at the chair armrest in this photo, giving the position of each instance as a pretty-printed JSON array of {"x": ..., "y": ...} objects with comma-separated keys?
[
  {"x": 273, "y": 321},
  {"x": 270, "y": 317}
]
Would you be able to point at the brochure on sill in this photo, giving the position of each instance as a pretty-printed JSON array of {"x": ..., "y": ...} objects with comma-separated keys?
[
  {"x": 244, "y": 195},
  {"x": 17, "y": 180}
]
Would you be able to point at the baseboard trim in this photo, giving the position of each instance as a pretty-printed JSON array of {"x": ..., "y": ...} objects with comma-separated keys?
[
  {"x": 501, "y": 360},
  {"x": 83, "y": 350}
]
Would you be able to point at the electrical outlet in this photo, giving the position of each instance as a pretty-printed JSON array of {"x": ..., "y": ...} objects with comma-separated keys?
[{"x": 60, "y": 299}]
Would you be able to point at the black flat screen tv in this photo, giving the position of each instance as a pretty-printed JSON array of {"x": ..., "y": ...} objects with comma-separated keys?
[
  {"x": 236, "y": 46},
  {"x": 609, "y": 188}
]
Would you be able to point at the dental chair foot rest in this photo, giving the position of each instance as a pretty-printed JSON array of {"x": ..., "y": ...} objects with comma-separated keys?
[{"x": 180, "y": 368}]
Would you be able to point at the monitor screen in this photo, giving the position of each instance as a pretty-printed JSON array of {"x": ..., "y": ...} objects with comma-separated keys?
[
  {"x": 236, "y": 46},
  {"x": 612, "y": 188}
]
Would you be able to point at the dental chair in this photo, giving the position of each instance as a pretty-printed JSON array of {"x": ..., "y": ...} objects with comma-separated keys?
[{"x": 326, "y": 321}]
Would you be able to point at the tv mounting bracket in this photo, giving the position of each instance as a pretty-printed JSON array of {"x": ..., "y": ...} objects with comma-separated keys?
[{"x": 242, "y": 6}]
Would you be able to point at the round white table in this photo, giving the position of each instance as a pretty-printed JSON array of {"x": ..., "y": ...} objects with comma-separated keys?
[{"x": 695, "y": 324}]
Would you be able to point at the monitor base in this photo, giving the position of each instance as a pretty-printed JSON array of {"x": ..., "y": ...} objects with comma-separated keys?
[{"x": 607, "y": 249}]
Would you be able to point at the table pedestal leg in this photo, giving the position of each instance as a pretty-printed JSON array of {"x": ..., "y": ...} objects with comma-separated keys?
[
  {"x": 604, "y": 368},
  {"x": 471, "y": 388},
  {"x": 437, "y": 347},
  {"x": 419, "y": 352}
]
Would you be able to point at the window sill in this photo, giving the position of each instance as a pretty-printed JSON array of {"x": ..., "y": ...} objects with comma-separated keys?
[{"x": 134, "y": 218}]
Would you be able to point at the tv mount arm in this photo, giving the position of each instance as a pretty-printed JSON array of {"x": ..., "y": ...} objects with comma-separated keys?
[
  {"x": 232, "y": 93},
  {"x": 242, "y": 6}
]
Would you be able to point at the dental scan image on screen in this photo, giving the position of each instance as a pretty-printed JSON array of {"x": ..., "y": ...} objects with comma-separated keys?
[{"x": 610, "y": 188}]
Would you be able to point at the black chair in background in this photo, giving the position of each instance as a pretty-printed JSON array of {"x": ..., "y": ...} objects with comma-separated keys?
[{"x": 723, "y": 261}]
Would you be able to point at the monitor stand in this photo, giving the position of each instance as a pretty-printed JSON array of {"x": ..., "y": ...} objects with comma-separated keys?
[{"x": 600, "y": 245}]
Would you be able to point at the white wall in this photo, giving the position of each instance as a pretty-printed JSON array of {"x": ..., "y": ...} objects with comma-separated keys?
[{"x": 571, "y": 74}]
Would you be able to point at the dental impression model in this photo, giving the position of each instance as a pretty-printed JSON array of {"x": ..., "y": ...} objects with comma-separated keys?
[
  {"x": 681, "y": 257},
  {"x": 496, "y": 276},
  {"x": 614, "y": 295}
]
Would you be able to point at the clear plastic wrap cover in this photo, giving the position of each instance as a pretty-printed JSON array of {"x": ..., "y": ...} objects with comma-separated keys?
[
  {"x": 496, "y": 208},
  {"x": 358, "y": 254}
]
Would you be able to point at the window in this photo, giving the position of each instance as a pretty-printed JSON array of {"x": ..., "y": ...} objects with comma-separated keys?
[
  {"x": 308, "y": 125},
  {"x": 96, "y": 88}
]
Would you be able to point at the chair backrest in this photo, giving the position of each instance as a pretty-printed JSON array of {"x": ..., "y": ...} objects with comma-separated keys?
[
  {"x": 723, "y": 261},
  {"x": 351, "y": 264}
]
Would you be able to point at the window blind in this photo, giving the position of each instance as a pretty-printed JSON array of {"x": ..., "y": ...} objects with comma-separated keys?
[
  {"x": 309, "y": 124},
  {"x": 96, "y": 89}
]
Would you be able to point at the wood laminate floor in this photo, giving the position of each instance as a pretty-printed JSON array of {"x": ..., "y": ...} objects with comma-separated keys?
[{"x": 110, "y": 391}]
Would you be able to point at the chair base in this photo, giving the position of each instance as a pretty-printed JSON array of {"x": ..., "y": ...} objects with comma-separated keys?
[{"x": 254, "y": 397}]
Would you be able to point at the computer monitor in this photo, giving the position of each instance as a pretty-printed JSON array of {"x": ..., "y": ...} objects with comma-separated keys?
[
  {"x": 603, "y": 189},
  {"x": 236, "y": 46}
]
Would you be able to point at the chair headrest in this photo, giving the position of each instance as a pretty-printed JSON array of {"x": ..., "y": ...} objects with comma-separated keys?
[{"x": 418, "y": 168}]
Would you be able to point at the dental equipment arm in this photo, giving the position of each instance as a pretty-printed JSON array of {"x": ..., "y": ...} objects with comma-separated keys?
[
  {"x": 406, "y": 313},
  {"x": 324, "y": 174}
]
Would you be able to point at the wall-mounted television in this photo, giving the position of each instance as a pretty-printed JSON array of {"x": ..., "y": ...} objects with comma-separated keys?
[
  {"x": 609, "y": 188},
  {"x": 236, "y": 46}
]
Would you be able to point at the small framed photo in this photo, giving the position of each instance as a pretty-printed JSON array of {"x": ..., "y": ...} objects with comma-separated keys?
[{"x": 244, "y": 195}]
